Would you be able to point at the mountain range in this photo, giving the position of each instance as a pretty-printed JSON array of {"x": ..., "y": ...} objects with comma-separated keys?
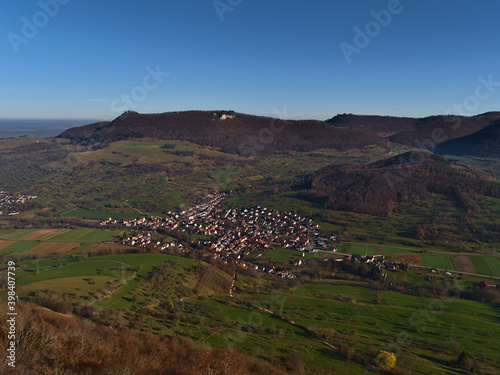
[
  {"x": 249, "y": 135},
  {"x": 429, "y": 132}
]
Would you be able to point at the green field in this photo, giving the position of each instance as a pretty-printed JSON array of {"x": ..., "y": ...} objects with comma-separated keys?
[
  {"x": 143, "y": 263},
  {"x": 280, "y": 253},
  {"x": 76, "y": 285},
  {"x": 92, "y": 267},
  {"x": 86, "y": 214},
  {"x": 487, "y": 265},
  {"x": 86, "y": 235},
  {"x": 442, "y": 261},
  {"x": 358, "y": 248},
  {"x": 17, "y": 234},
  {"x": 350, "y": 314},
  {"x": 358, "y": 316},
  {"x": 19, "y": 247}
]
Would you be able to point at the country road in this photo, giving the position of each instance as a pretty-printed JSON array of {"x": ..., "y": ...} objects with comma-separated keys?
[{"x": 452, "y": 271}]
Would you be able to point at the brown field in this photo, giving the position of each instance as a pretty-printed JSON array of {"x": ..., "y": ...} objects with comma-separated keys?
[
  {"x": 379, "y": 250},
  {"x": 464, "y": 264},
  {"x": 43, "y": 233},
  {"x": 46, "y": 248},
  {"x": 406, "y": 258},
  {"x": 104, "y": 246},
  {"x": 5, "y": 243}
]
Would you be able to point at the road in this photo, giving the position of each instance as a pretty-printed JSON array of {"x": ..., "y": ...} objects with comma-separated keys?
[{"x": 452, "y": 271}]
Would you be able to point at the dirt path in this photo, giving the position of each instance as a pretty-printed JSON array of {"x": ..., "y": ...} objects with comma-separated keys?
[
  {"x": 142, "y": 213},
  {"x": 307, "y": 329}
]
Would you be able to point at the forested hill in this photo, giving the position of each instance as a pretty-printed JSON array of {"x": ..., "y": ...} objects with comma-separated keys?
[
  {"x": 424, "y": 132},
  {"x": 375, "y": 188},
  {"x": 383, "y": 125},
  {"x": 232, "y": 132},
  {"x": 484, "y": 143}
]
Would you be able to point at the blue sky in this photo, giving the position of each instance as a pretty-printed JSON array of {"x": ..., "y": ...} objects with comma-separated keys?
[{"x": 253, "y": 56}]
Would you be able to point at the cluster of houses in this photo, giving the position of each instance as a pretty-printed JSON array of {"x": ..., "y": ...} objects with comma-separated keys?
[
  {"x": 378, "y": 261},
  {"x": 144, "y": 240},
  {"x": 8, "y": 201},
  {"x": 230, "y": 233},
  {"x": 284, "y": 274}
]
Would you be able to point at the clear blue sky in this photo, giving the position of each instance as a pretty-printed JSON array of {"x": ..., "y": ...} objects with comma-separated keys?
[{"x": 263, "y": 56}]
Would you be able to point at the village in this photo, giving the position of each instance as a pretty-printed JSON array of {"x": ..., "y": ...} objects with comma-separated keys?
[
  {"x": 233, "y": 234},
  {"x": 8, "y": 202}
]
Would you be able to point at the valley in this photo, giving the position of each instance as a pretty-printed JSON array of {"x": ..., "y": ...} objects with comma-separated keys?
[{"x": 311, "y": 258}]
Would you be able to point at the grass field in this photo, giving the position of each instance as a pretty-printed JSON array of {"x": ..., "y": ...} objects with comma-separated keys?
[
  {"x": 17, "y": 234},
  {"x": 86, "y": 214},
  {"x": 19, "y": 247},
  {"x": 358, "y": 317},
  {"x": 143, "y": 263},
  {"x": 108, "y": 268},
  {"x": 487, "y": 265},
  {"x": 76, "y": 285},
  {"x": 290, "y": 254},
  {"x": 353, "y": 315},
  {"x": 349, "y": 314},
  {"x": 442, "y": 261}
]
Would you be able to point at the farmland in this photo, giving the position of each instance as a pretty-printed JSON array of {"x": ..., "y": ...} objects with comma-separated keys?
[
  {"x": 19, "y": 247},
  {"x": 487, "y": 265},
  {"x": 5, "y": 243},
  {"x": 46, "y": 248},
  {"x": 83, "y": 213},
  {"x": 107, "y": 268},
  {"x": 464, "y": 264},
  {"x": 289, "y": 254},
  {"x": 86, "y": 235},
  {"x": 42, "y": 234},
  {"x": 354, "y": 313},
  {"x": 349, "y": 315},
  {"x": 80, "y": 286},
  {"x": 49, "y": 241},
  {"x": 442, "y": 261}
]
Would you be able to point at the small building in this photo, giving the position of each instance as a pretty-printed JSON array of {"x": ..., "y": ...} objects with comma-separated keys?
[{"x": 484, "y": 284}]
